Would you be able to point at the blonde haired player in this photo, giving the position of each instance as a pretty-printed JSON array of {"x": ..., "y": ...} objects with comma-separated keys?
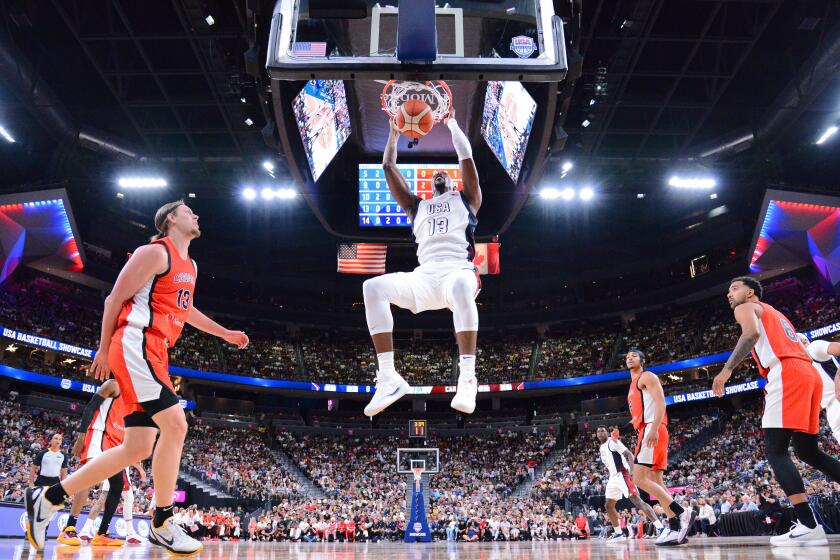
[
  {"x": 443, "y": 227},
  {"x": 151, "y": 302}
]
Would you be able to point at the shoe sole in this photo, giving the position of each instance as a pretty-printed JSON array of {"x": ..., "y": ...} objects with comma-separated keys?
[
  {"x": 68, "y": 543},
  {"x": 801, "y": 544},
  {"x": 109, "y": 545},
  {"x": 391, "y": 399}
]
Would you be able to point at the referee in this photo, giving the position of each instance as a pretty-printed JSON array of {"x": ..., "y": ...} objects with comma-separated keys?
[{"x": 50, "y": 466}]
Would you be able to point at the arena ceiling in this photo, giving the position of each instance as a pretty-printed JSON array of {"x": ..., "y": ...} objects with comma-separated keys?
[{"x": 736, "y": 88}]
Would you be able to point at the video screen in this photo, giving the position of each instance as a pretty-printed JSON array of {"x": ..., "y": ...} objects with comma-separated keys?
[
  {"x": 377, "y": 208},
  {"x": 323, "y": 121},
  {"x": 506, "y": 124}
]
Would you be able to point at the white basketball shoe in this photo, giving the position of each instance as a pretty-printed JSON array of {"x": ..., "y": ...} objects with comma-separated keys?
[
  {"x": 801, "y": 535},
  {"x": 173, "y": 538},
  {"x": 464, "y": 399},
  {"x": 390, "y": 387}
]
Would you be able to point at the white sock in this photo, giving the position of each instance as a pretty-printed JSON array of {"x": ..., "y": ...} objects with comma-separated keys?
[
  {"x": 88, "y": 525},
  {"x": 466, "y": 366},
  {"x": 617, "y": 531},
  {"x": 658, "y": 524},
  {"x": 386, "y": 362}
]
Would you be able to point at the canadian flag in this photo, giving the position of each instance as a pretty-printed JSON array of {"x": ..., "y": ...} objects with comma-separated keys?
[{"x": 486, "y": 258}]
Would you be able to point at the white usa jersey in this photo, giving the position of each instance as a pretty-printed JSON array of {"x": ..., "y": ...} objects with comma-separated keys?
[
  {"x": 444, "y": 228},
  {"x": 612, "y": 455}
]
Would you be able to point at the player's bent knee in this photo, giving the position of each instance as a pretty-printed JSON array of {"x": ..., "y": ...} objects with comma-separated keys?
[{"x": 375, "y": 289}]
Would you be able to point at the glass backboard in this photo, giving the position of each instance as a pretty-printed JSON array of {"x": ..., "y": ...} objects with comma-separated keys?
[{"x": 492, "y": 39}]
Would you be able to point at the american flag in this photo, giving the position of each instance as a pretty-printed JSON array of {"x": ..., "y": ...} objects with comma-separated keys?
[
  {"x": 310, "y": 49},
  {"x": 362, "y": 258}
]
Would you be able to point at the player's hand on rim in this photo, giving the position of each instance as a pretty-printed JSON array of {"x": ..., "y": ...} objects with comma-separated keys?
[
  {"x": 393, "y": 124},
  {"x": 449, "y": 115},
  {"x": 99, "y": 368}
]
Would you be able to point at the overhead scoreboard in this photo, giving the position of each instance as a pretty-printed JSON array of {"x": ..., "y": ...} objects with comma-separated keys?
[{"x": 377, "y": 208}]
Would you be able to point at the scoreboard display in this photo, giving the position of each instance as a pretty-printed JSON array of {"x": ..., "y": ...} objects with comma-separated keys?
[
  {"x": 377, "y": 208},
  {"x": 417, "y": 429}
]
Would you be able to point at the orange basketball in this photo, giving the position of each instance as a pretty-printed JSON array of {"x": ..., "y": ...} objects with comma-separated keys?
[{"x": 414, "y": 119}]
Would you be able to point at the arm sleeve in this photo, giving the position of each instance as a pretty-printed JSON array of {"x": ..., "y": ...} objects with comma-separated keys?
[
  {"x": 39, "y": 458},
  {"x": 459, "y": 140},
  {"x": 66, "y": 462},
  {"x": 87, "y": 415}
]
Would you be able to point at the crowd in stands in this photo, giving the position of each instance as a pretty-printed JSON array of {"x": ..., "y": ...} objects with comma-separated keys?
[
  {"x": 238, "y": 461},
  {"x": 717, "y": 461},
  {"x": 576, "y": 351},
  {"x": 70, "y": 314}
]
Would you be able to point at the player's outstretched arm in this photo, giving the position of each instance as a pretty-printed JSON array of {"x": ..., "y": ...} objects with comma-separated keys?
[
  {"x": 469, "y": 173},
  {"x": 204, "y": 323},
  {"x": 823, "y": 350},
  {"x": 407, "y": 200}
]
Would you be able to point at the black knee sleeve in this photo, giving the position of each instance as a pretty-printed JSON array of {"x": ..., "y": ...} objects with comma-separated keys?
[
  {"x": 112, "y": 500},
  {"x": 776, "y": 444}
]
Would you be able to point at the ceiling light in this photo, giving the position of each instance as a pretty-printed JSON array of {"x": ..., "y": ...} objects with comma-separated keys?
[
  {"x": 640, "y": 195},
  {"x": 268, "y": 165},
  {"x": 591, "y": 102},
  {"x": 142, "y": 182},
  {"x": 248, "y": 193},
  {"x": 586, "y": 193},
  {"x": 701, "y": 183},
  {"x": 209, "y": 19},
  {"x": 191, "y": 195},
  {"x": 120, "y": 195},
  {"x": 5, "y": 134},
  {"x": 286, "y": 194},
  {"x": 567, "y": 166},
  {"x": 550, "y": 193},
  {"x": 829, "y": 132},
  {"x": 568, "y": 193},
  {"x": 713, "y": 196},
  {"x": 267, "y": 193},
  {"x": 585, "y": 123},
  {"x": 242, "y": 99},
  {"x": 248, "y": 121}
]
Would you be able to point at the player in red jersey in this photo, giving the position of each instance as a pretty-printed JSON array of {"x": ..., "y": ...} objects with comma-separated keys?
[
  {"x": 143, "y": 317},
  {"x": 101, "y": 429},
  {"x": 647, "y": 411},
  {"x": 791, "y": 401}
]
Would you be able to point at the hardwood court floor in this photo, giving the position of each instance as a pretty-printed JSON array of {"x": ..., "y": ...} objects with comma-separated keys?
[{"x": 746, "y": 548}]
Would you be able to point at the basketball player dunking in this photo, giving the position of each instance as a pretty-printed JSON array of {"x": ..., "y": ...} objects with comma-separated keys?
[
  {"x": 791, "y": 401},
  {"x": 647, "y": 410},
  {"x": 617, "y": 459},
  {"x": 151, "y": 301},
  {"x": 443, "y": 227}
]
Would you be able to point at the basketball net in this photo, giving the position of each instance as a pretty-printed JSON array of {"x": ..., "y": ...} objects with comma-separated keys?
[
  {"x": 418, "y": 477},
  {"x": 436, "y": 94}
]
